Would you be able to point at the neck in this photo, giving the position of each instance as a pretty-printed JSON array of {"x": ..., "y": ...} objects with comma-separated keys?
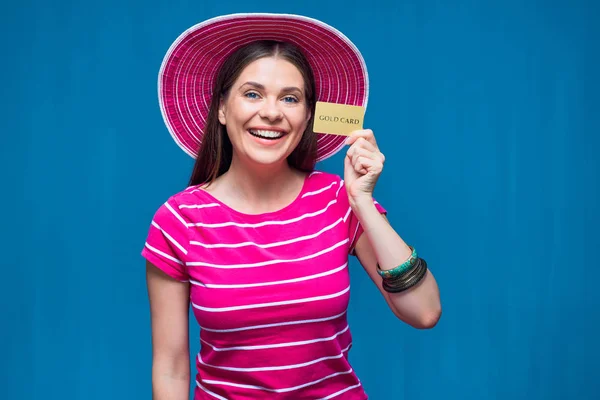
[{"x": 260, "y": 188}]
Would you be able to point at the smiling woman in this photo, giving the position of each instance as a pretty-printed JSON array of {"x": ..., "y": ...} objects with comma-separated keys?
[
  {"x": 259, "y": 241},
  {"x": 266, "y": 102},
  {"x": 271, "y": 84}
]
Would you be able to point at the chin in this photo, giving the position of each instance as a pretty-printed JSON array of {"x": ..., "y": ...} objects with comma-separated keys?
[
  {"x": 268, "y": 159},
  {"x": 267, "y": 154}
]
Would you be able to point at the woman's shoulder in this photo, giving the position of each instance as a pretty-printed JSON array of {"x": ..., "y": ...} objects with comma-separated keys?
[
  {"x": 195, "y": 193},
  {"x": 321, "y": 177},
  {"x": 319, "y": 180},
  {"x": 183, "y": 205},
  {"x": 323, "y": 186}
]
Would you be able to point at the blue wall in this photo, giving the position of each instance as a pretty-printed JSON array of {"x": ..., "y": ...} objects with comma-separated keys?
[{"x": 488, "y": 113}]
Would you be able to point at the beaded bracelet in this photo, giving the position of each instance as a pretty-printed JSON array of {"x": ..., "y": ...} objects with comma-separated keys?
[
  {"x": 406, "y": 276},
  {"x": 419, "y": 273},
  {"x": 399, "y": 270}
]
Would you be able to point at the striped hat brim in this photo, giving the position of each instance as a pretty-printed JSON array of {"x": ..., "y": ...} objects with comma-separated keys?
[{"x": 191, "y": 64}]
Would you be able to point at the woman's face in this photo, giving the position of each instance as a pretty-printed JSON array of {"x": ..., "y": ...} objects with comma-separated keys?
[{"x": 265, "y": 112}]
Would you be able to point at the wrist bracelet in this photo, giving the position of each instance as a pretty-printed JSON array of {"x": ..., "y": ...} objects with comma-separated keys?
[
  {"x": 406, "y": 276},
  {"x": 400, "y": 286},
  {"x": 399, "y": 270},
  {"x": 408, "y": 285}
]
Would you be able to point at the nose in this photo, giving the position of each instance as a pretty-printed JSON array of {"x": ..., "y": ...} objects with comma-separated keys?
[{"x": 270, "y": 110}]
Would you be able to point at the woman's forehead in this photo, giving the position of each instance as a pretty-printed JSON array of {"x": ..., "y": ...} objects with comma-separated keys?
[{"x": 271, "y": 72}]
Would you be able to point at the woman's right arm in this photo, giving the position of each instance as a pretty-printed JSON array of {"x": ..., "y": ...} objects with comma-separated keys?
[{"x": 169, "y": 309}]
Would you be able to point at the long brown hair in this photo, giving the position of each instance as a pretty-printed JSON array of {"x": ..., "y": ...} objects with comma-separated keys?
[{"x": 215, "y": 153}]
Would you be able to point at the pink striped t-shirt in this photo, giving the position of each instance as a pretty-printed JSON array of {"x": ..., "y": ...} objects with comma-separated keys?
[{"x": 270, "y": 292}]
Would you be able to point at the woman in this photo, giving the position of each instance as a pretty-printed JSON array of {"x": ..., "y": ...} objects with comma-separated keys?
[{"x": 259, "y": 241}]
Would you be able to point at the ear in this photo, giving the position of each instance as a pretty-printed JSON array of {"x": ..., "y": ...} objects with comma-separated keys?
[{"x": 222, "y": 118}]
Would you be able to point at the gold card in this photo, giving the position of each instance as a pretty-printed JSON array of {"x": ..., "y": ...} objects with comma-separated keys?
[{"x": 337, "y": 119}]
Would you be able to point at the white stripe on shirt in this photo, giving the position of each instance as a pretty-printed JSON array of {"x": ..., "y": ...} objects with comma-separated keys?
[
  {"x": 347, "y": 213},
  {"x": 265, "y": 263},
  {"x": 176, "y": 215},
  {"x": 283, "y": 390},
  {"x": 319, "y": 191},
  {"x": 340, "y": 188},
  {"x": 273, "y": 304},
  {"x": 165, "y": 255},
  {"x": 266, "y": 245},
  {"x": 198, "y": 206},
  {"x": 278, "y": 367},
  {"x": 247, "y": 328},
  {"x": 209, "y": 392},
  {"x": 277, "y": 345},
  {"x": 331, "y": 396},
  {"x": 249, "y": 285},
  {"x": 265, "y": 223},
  {"x": 171, "y": 239}
]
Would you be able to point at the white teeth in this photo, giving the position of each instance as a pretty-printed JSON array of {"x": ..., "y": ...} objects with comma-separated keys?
[{"x": 266, "y": 134}]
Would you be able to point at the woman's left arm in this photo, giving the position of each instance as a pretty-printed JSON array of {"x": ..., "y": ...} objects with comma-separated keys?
[{"x": 420, "y": 305}]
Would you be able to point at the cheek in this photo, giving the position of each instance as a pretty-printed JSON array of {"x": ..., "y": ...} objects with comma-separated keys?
[
  {"x": 245, "y": 108},
  {"x": 300, "y": 121},
  {"x": 240, "y": 113}
]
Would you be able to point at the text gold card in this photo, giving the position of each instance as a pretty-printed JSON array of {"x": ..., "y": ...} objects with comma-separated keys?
[{"x": 337, "y": 119}]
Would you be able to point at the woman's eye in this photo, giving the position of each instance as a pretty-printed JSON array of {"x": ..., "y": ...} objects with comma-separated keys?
[
  {"x": 251, "y": 95},
  {"x": 290, "y": 99}
]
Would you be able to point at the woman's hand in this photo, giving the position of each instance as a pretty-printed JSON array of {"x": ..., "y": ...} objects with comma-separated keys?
[{"x": 362, "y": 166}]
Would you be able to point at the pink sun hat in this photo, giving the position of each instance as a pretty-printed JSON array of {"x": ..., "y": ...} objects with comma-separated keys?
[{"x": 188, "y": 70}]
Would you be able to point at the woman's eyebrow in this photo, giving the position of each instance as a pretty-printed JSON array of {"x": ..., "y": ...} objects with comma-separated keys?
[
  {"x": 291, "y": 89},
  {"x": 260, "y": 86},
  {"x": 255, "y": 84}
]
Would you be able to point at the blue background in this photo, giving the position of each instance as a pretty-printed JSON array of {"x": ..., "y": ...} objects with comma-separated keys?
[{"x": 488, "y": 113}]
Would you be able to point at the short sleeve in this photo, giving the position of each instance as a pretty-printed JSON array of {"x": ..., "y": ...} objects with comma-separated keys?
[{"x": 167, "y": 241}]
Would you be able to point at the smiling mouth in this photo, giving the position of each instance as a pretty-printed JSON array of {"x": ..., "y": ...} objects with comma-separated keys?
[{"x": 265, "y": 134}]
